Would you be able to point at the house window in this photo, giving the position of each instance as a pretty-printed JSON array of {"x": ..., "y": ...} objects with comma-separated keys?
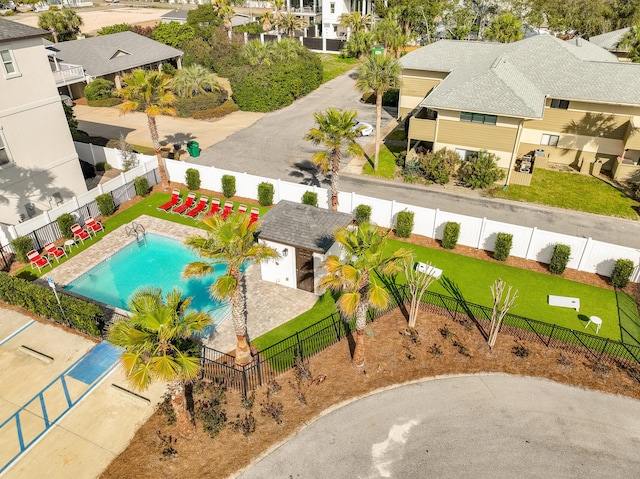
[
  {"x": 478, "y": 118},
  {"x": 4, "y": 154},
  {"x": 9, "y": 67},
  {"x": 561, "y": 104},
  {"x": 332, "y": 7},
  {"x": 551, "y": 140}
]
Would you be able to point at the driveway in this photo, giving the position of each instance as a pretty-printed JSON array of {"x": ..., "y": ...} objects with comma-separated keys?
[{"x": 479, "y": 426}]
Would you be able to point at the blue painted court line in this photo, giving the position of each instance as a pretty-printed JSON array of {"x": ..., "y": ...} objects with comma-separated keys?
[
  {"x": 95, "y": 363},
  {"x": 15, "y": 333}
]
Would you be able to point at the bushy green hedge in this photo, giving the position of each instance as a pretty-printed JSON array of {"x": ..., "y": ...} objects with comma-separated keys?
[
  {"x": 362, "y": 214},
  {"x": 65, "y": 222},
  {"x": 265, "y": 194},
  {"x": 450, "y": 235},
  {"x": 218, "y": 112},
  {"x": 187, "y": 107},
  {"x": 622, "y": 272},
  {"x": 142, "y": 185},
  {"x": 78, "y": 314},
  {"x": 21, "y": 246},
  {"x": 404, "y": 224},
  {"x": 481, "y": 170},
  {"x": 192, "y": 177},
  {"x": 106, "y": 204},
  {"x": 502, "y": 248},
  {"x": 228, "y": 185},
  {"x": 99, "y": 89},
  {"x": 310, "y": 198},
  {"x": 560, "y": 258}
]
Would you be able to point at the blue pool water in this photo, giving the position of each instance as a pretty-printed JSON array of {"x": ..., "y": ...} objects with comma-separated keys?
[{"x": 156, "y": 261}]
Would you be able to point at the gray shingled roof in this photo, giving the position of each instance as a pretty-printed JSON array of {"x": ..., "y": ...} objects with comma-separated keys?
[
  {"x": 176, "y": 15},
  {"x": 113, "y": 53},
  {"x": 302, "y": 226},
  {"x": 13, "y": 30},
  {"x": 610, "y": 40},
  {"x": 514, "y": 79}
]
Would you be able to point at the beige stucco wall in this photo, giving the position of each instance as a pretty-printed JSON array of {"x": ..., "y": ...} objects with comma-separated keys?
[{"x": 37, "y": 136}]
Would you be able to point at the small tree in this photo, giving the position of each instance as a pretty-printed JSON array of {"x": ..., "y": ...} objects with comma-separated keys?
[
  {"x": 560, "y": 258},
  {"x": 503, "y": 246},
  {"x": 450, "y": 235},
  {"x": 128, "y": 157},
  {"x": 418, "y": 283},
  {"x": 363, "y": 214},
  {"x": 228, "y": 186},
  {"x": 106, "y": 205},
  {"x": 265, "y": 194},
  {"x": 21, "y": 246},
  {"x": 192, "y": 177},
  {"x": 310, "y": 198},
  {"x": 65, "y": 222},
  {"x": 480, "y": 171},
  {"x": 404, "y": 224},
  {"x": 500, "y": 308},
  {"x": 142, "y": 185},
  {"x": 622, "y": 273},
  {"x": 99, "y": 89}
]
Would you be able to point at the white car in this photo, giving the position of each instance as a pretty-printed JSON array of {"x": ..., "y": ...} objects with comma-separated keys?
[{"x": 364, "y": 129}]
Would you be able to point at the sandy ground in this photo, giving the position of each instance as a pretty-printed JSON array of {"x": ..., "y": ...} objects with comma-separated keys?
[{"x": 96, "y": 19}]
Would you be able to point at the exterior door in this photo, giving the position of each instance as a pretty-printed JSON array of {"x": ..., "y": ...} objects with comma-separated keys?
[{"x": 304, "y": 269}]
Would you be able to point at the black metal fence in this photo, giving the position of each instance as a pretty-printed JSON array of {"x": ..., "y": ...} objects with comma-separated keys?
[
  {"x": 51, "y": 232},
  {"x": 281, "y": 356},
  {"x": 5, "y": 258}
]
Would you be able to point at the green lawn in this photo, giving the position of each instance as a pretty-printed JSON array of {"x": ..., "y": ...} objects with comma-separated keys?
[
  {"x": 334, "y": 66},
  {"x": 573, "y": 191},
  {"x": 386, "y": 162}
]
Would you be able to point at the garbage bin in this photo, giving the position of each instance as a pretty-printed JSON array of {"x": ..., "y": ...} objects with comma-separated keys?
[
  {"x": 377, "y": 50},
  {"x": 596, "y": 166},
  {"x": 193, "y": 147}
]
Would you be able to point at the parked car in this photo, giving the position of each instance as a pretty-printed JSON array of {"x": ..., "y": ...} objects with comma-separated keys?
[{"x": 363, "y": 129}]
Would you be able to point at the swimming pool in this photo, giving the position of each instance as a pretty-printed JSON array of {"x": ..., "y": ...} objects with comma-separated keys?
[{"x": 155, "y": 261}]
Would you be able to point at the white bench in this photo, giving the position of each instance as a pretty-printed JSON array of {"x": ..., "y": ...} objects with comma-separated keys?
[
  {"x": 429, "y": 270},
  {"x": 565, "y": 302}
]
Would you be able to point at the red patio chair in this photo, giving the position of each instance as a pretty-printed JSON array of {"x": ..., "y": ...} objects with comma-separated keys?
[
  {"x": 228, "y": 208},
  {"x": 79, "y": 233},
  {"x": 255, "y": 214},
  {"x": 93, "y": 226},
  {"x": 188, "y": 203},
  {"x": 199, "y": 208},
  {"x": 54, "y": 252},
  {"x": 175, "y": 199},
  {"x": 242, "y": 209},
  {"x": 36, "y": 260},
  {"x": 215, "y": 207}
]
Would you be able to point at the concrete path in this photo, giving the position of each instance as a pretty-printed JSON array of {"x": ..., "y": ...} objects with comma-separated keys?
[{"x": 484, "y": 426}]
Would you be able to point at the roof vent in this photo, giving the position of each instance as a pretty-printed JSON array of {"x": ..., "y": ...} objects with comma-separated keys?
[
  {"x": 578, "y": 42},
  {"x": 498, "y": 61}
]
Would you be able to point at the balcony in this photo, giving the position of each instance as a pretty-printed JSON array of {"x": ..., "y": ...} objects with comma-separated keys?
[
  {"x": 422, "y": 129},
  {"x": 68, "y": 74}
]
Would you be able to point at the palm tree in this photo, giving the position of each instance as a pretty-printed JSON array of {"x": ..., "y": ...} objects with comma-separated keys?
[
  {"x": 391, "y": 35},
  {"x": 355, "y": 22},
  {"x": 232, "y": 243},
  {"x": 364, "y": 250},
  {"x": 505, "y": 28},
  {"x": 631, "y": 43},
  {"x": 193, "y": 80},
  {"x": 149, "y": 91},
  {"x": 158, "y": 346},
  {"x": 63, "y": 25},
  {"x": 334, "y": 129},
  {"x": 277, "y": 14},
  {"x": 267, "y": 20},
  {"x": 378, "y": 73},
  {"x": 291, "y": 23}
]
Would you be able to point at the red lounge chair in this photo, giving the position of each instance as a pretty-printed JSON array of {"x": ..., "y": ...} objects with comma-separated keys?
[
  {"x": 79, "y": 233},
  {"x": 36, "y": 260},
  {"x": 93, "y": 226},
  {"x": 175, "y": 198},
  {"x": 242, "y": 209},
  {"x": 188, "y": 203},
  {"x": 215, "y": 207},
  {"x": 54, "y": 252},
  {"x": 199, "y": 208},
  {"x": 228, "y": 208},
  {"x": 255, "y": 214}
]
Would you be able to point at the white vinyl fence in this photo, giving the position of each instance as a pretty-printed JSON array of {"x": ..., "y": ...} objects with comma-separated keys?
[{"x": 531, "y": 243}]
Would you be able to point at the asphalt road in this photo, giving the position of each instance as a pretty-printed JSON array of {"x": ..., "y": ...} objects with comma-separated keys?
[
  {"x": 273, "y": 147},
  {"x": 493, "y": 426}
]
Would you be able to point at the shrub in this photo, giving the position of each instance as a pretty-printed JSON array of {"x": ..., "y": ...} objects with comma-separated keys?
[
  {"x": 438, "y": 166},
  {"x": 106, "y": 204},
  {"x": 404, "y": 224},
  {"x": 142, "y": 186},
  {"x": 168, "y": 69},
  {"x": 192, "y": 177},
  {"x": 560, "y": 258},
  {"x": 622, "y": 273},
  {"x": 81, "y": 315},
  {"x": 99, "y": 89},
  {"x": 218, "y": 112},
  {"x": 503, "y": 246},
  {"x": 228, "y": 185},
  {"x": 188, "y": 107},
  {"x": 265, "y": 194},
  {"x": 363, "y": 214},
  {"x": 480, "y": 171},
  {"x": 450, "y": 235},
  {"x": 310, "y": 198},
  {"x": 65, "y": 222},
  {"x": 103, "y": 166},
  {"x": 107, "y": 102},
  {"x": 21, "y": 246}
]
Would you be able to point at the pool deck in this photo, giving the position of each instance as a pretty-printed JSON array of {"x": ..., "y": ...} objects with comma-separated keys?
[{"x": 268, "y": 305}]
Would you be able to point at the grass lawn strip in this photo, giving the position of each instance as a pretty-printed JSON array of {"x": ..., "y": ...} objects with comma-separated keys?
[
  {"x": 334, "y": 66},
  {"x": 386, "y": 162}
]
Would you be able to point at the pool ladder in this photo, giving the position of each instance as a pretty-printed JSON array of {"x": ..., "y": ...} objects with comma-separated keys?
[{"x": 135, "y": 229}]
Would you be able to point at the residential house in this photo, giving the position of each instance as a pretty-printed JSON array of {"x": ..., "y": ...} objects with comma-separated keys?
[
  {"x": 180, "y": 16},
  {"x": 39, "y": 166},
  {"x": 538, "y": 100},
  {"x": 333, "y": 9},
  {"x": 109, "y": 57}
]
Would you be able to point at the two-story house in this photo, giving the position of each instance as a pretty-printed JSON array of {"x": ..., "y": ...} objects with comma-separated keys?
[
  {"x": 333, "y": 9},
  {"x": 540, "y": 99},
  {"x": 39, "y": 165}
]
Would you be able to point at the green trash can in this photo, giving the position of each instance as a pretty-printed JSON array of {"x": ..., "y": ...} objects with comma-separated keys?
[
  {"x": 377, "y": 50},
  {"x": 193, "y": 147}
]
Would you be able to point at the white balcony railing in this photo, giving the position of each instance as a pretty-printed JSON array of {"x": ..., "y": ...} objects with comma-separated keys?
[{"x": 68, "y": 74}]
